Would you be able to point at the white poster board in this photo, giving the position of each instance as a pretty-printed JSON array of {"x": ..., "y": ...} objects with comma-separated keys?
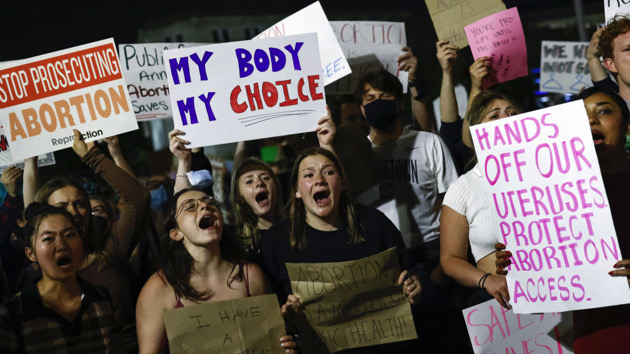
[
  {"x": 228, "y": 92},
  {"x": 494, "y": 329},
  {"x": 6, "y": 158},
  {"x": 551, "y": 210},
  {"x": 308, "y": 20},
  {"x": 145, "y": 74},
  {"x": 369, "y": 46},
  {"x": 563, "y": 67},
  {"x": 43, "y": 98},
  {"x": 613, "y": 7}
]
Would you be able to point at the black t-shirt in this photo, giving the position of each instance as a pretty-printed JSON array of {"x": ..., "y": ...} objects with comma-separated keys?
[{"x": 328, "y": 246}]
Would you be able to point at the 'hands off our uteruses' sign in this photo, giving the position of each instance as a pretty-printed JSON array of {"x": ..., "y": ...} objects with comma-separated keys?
[
  {"x": 246, "y": 90},
  {"x": 551, "y": 210}
]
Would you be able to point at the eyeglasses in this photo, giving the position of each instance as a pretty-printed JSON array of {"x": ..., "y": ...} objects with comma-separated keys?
[
  {"x": 98, "y": 211},
  {"x": 193, "y": 204}
]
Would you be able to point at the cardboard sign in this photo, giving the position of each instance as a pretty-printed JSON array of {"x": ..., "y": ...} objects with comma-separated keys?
[
  {"x": 501, "y": 37},
  {"x": 145, "y": 74},
  {"x": 551, "y": 210},
  {"x": 354, "y": 304},
  {"x": 369, "y": 46},
  {"x": 450, "y": 17},
  {"x": 494, "y": 329},
  {"x": 563, "y": 67},
  {"x": 43, "y": 98},
  {"x": 248, "y": 325},
  {"x": 613, "y": 7},
  {"x": 308, "y": 20},
  {"x": 223, "y": 93}
]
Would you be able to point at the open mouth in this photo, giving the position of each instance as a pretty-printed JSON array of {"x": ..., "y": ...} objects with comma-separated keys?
[
  {"x": 262, "y": 198},
  {"x": 598, "y": 138},
  {"x": 321, "y": 197},
  {"x": 64, "y": 261},
  {"x": 206, "y": 222}
]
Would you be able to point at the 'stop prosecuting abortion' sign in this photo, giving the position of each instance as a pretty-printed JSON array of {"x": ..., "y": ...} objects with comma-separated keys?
[
  {"x": 551, "y": 210},
  {"x": 43, "y": 98},
  {"x": 246, "y": 90}
]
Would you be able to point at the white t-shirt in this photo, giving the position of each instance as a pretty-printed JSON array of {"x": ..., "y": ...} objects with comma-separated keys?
[
  {"x": 418, "y": 170},
  {"x": 468, "y": 197}
]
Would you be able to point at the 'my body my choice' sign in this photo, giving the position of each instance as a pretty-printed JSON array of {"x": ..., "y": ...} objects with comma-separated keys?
[
  {"x": 246, "y": 90},
  {"x": 551, "y": 210}
]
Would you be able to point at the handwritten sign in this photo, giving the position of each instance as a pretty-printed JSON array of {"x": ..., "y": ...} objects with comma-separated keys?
[
  {"x": 308, "y": 20},
  {"x": 248, "y": 325},
  {"x": 494, "y": 329},
  {"x": 551, "y": 210},
  {"x": 143, "y": 68},
  {"x": 450, "y": 17},
  {"x": 369, "y": 46},
  {"x": 43, "y": 98},
  {"x": 563, "y": 67},
  {"x": 501, "y": 37},
  {"x": 236, "y": 91},
  {"x": 613, "y": 7},
  {"x": 354, "y": 304}
]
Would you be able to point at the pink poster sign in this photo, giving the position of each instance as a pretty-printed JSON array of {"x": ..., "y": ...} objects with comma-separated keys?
[{"x": 500, "y": 36}]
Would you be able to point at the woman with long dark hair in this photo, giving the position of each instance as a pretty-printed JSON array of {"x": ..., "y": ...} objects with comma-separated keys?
[
  {"x": 61, "y": 312},
  {"x": 197, "y": 267}
]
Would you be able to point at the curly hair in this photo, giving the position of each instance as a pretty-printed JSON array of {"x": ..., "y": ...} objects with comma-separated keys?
[{"x": 616, "y": 27}]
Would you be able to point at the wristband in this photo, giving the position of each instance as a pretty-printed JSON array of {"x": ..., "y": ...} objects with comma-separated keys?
[
  {"x": 482, "y": 281},
  {"x": 418, "y": 86}
]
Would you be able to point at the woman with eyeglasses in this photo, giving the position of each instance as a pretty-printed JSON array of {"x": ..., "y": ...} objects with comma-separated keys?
[
  {"x": 198, "y": 266},
  {"x": 106, "y": 248}
]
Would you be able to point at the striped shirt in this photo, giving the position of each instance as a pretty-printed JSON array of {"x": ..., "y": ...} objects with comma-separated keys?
[{"x": 26, "y": 326}]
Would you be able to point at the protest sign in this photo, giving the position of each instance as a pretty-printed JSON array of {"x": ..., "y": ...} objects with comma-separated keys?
[
  {"x": 354, "y": 304},
  {"x": 494, "y": 329},
  {"x": 563, "y": 67},
  {"x": 312, "y": 19},
  {"x": 501, "y": 37},
  {"x": 236, "y": 91},
  {"x": 247, "y": 325},
  {"x": 43, "y": 98},
  {"x": 369, "y": 46},
  {"x": 551, "y": 210},
  {"x": 145, "y": 74},
  {"x": 6, "y": 158},
  {"x": 613, "y": 7},
  {"x": 450, "y": 17}
]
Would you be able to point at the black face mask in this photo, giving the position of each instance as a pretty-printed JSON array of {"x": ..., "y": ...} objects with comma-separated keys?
[{"x": 381, "y": 114}]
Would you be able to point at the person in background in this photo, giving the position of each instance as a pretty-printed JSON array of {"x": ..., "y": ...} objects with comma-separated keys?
[{"x": 467, "y": 214}]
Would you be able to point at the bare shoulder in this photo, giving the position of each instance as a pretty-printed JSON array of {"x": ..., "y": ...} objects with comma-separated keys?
[
  {"x": 258, "y": 283},
  {"x": 157, "y": 292}
]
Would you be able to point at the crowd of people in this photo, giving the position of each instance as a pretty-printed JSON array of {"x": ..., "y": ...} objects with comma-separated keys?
[{"x": 79, "y": 273}]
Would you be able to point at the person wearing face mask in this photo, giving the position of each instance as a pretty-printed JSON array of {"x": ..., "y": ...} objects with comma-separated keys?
[{"x": 418, "y": 168}]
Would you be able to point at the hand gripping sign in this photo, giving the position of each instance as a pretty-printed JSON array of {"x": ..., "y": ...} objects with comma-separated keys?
[
  {"x": 43, "y": 98},
  {"x": 551, "y": 210},
  {"x": 246, "y": 90}
]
